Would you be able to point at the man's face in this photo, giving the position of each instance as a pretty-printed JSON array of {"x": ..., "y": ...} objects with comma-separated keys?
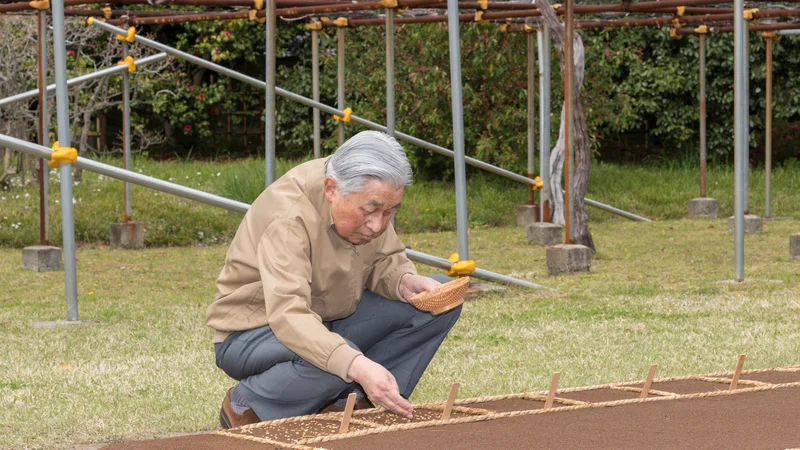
[{"x": 362, "y": 216}]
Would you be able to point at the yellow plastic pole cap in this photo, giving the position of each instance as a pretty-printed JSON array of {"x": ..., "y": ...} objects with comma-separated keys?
[{"x": 62, "y": 155}]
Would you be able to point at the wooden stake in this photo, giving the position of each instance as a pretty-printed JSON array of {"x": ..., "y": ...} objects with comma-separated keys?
[
  {"x": 551, "y": 394},
  {"x": 348, "y": 411},
  {"x": 737, "y": 372},
  {"x": 649, "y": 380},
  {"x": 448, "y": 407}
]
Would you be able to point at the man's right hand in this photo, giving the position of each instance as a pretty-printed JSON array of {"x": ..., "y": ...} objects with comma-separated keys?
[{"x": 380, "y": 386}]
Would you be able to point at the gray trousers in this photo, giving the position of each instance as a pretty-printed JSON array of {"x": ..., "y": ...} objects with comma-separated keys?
[{"x": 277, "y": 383}]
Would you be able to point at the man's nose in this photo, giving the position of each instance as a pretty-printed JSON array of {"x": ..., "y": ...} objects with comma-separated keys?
[{"x": 374, "y": 225}]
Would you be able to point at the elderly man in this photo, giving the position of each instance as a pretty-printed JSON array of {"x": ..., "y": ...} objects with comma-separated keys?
[{"x": 312, "y": 301}]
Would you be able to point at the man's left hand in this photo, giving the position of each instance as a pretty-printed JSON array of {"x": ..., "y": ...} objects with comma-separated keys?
[{"x": 412, "y": 284}]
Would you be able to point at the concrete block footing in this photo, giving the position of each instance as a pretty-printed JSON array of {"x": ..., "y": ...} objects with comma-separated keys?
[
  {"x": 752, "y": 224},
  {"x": 546, "y": 234},
  {"x": 527, "y": 214},
  {"x": 703, "y": 208},
  {"x": 565, "y": 259},
  {"x": 794, "y": 246},
  {"x": 128, "y": 235},
  {"x": 42, "y": 258}
]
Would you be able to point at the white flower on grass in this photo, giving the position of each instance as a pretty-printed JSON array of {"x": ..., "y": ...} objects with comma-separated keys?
[
  {"x": 140, "y": 170},
  {"x": 27, "y": 195},
  {"x": 100, "y": 178},
  {"x": 170, "y": 179},
  {"x": 187, "y": 177},
  {"x": 75, "y": 183},
  {"x": 2, "y": 198},
  {"x": 74, "y": 201},
  {"x": 219, "y": 173},
  {"x": 5, "y": 217},
  {"x": 199, "y": 173},
  {"x": 58, "y": 201}
]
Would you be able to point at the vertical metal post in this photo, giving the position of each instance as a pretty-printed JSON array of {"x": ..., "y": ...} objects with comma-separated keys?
[
  {"x": 458, "y": 129},
  {"x": 703, "y": 150},
  {"x": 315, "y": 90},
  {"x": 768, "y": 133},
  {"x": 126, "y": 134},
  {"x": 531, "y": 115},
  {"x": 44, "y": 173},
  {"x": 340, "y": 78},
  {"x": 269, "y": 122},
  {"x": 390, "y": 71},
  {"x": 544, "y": 118},
  {"x": 569, "y": 101},
  {"x": 740, "y": 133},
  {"x": 62, "y": 109}
]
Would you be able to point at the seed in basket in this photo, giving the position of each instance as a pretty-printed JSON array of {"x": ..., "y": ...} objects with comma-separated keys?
[{"x": 444, "y": 298}]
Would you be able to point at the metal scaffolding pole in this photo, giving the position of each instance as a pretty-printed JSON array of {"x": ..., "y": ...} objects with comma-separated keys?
[
  {"x": 740, "y": 134},
  {"x": 543, "y": 41},
  {"x": 315, "y": 90},
  {"x": 531, "y": 115},
  {"x": 458, "y": 129},
  {"x": 746, "y": 105},
  {"x": 27, "y": 95},
  {"x": 269, "y": 120},
  {"x": 768, "y": 132},
  {"x": 569, "y": 144},
  {"x": 390, "y": 71},
  {"x": 126, "y": 135},
  {"x": 44, "y": 126},
  {"x": 62, "y": 110},
  {"x": 221, "y": 202},
  {"x": 703, "y": 151},
  {"x": 331, "y": 110},
  {"x": 340, "y": 79}
]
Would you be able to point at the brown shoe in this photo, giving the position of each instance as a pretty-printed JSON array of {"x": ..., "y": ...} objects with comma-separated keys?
[
  {"x": 363, "y": 403},
  {"x": 229, "y": 419}
]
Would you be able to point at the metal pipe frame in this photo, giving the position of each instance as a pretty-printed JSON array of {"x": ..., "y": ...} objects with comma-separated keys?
[
  {"x": 72, "y": 82},
  {"x": 454, "y": 38},
  {"x": 703, "y": 148},
  {"x": 531, "y": 114},
  {"x": 746, "y": 107},
  {"x": 44, "y": 125},
  {"x": 543, "y": 47},
  {"x": 126, "y": 135},
  {"x": 269, "y": 119},
  {"x": 340, "y": 81},
  {"x": 740, "y": 133},
  {"x": 222, "y": 202},
  {"x": 315, "y": 91},
  {"x": 390, "y": 117},
  {"x": 67, "y": 212},
  {"x": 768, "y": 133},
  {"x": 331, "y": 110}
]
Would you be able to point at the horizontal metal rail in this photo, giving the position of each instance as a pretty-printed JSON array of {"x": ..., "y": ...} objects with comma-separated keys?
[
  {"x": 84, "y": 78},
  {"x": 333, "y": 111},
  {"x": 221, "y": 202}
]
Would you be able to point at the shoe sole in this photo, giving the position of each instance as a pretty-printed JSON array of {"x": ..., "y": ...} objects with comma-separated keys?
[{"x": 224, "y": 422}]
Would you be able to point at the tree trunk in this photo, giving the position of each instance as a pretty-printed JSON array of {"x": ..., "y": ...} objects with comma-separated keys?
[{"x": 581, "y": 148}]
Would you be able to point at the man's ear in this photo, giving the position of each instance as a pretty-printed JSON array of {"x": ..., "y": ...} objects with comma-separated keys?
[{"x": 331, "y": 189}]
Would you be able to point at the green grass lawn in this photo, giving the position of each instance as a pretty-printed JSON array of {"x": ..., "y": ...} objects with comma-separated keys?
[{"x": 658, "y": 292}]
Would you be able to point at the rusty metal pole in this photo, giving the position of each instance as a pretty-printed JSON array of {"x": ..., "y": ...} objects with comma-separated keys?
[
  {"x": 569, "y": 95},
  {"x": 340, "y": 79},
  {"x": 768, "y": 131},
  {"x": 703, "y": 149},
  {"x": 315, "y": 90},
  {"x": 270, "y": 31},
  {"x": 44, "y": 140}
]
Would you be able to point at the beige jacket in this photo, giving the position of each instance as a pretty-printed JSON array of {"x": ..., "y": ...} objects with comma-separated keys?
[{"x": 289, "y": 269}]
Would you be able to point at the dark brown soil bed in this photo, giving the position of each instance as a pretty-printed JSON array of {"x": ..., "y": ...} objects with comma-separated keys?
[
  {"x": 193, "y": 442},
  {"x": 420, "y": 415},
  {"x": 599, "y": 395},
  {"x": 773, "y": 377},
  {"x": 689, "y": 386},
  {"x": 297, "y": 430},
  {"x": 508, "y": 405},
  {"x": 765, "y": 419}
]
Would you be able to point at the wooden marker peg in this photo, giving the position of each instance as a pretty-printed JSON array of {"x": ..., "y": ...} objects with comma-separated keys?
[
  {"x": 551, "y": 394},
  {"x": 348, "y": 411},
  {"x": 649, "y": 380},
  {"x": 737, "y": 372},
  {"x": 448, "y": 407}
]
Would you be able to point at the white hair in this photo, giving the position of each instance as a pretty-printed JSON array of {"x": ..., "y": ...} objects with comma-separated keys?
[{"x": 369, "y": 155}]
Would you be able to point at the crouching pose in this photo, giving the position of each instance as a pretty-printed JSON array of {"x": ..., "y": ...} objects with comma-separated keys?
[{"x": 311, "y": 303}]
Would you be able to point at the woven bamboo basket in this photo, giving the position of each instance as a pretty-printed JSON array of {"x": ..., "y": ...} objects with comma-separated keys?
[{"x": 443, "y": 299}]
